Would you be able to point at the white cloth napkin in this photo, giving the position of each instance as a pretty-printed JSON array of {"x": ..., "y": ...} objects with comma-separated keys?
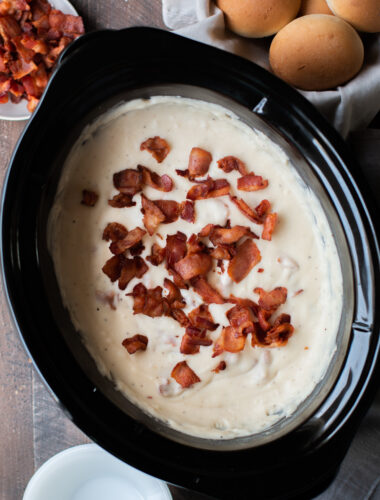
[{"x": 349, "y": 107}]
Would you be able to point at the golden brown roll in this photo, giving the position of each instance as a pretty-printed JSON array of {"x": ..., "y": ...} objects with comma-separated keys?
[
  {"x": 316, "y": 52},
  {"x": 364, "y": 15},
  {"x": 258, "y": 18},
  {"x": 314, "y": 7}
]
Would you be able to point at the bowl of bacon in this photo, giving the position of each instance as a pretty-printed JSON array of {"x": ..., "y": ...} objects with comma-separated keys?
[
  {"x": 33, "y": 33},
  {"x": 192, "y": 266}
]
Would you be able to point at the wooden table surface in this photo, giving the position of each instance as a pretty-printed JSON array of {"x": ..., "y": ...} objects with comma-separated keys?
[{"x": 32, "y": 427}]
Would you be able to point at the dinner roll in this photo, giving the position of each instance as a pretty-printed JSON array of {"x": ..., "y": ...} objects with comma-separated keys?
[
  {"x": 258, "y": 18},
  {"x": 314, "y": 7},
  {"x": 316, "y": 52},
  {"x": 364, "y": 15}
]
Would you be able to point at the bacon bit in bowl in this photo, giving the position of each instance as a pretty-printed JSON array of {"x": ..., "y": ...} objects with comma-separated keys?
[
  {"x": 158, "y": 147},
  {"x": 89, "y": 198},
  {"x": 33, "y": 35},
  {"x": 184, "y": 375},
  {"x": 251, "y": 182},
  {"x": 220, "y": 367},
  {"x": 199, "y": 163},
  {"x": 135, "y": 343},
  {"x": 230, "y": 163}
]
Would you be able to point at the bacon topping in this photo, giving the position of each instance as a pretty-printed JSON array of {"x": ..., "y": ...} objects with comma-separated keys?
[
  {"x": 176, "y": 248},
  {"x": 131, "y": 268},
  {"x": 112, "y": 268},
  {"x": 269, "y": 225},
  {"x": 153, "y": 216},
  {"x": 89, "y": 198},
  {"x": 158, "y": 147},
  {"x": 227, "y": 236},
  {"x": 273, "y": 299},
  {"x": 135, "y": 343},
  {"x": 229, "y": 163},
  {"x": 209, "y": 188},
  {"x": 152, "y": 179},
  {"x": 246, "y": 209},
  {"x": 251, "y": 182},
  {"x": 206, "y": 291},
  {"x": 221, "y": 366},
  {"x": 128, "y": 181},
  {"x": 169, "y": 208},
  {"x": 184, "y": 375},
  {"x": 187, "y": 211},
  {"x": 193, "y": 265},
  {"x": 174, "y": 296},
  {"x": 114, "y": 232},
  {"x": 133, "y": 237},
  {"x": 201, "y": 318},
  {"x": 199, "y": 162},
  {"x": 262, "y": 209},
  {"x": 149, "y": 301},
  {"x": 193, "y": 339},
  {"x": 231, "y": 340},
  {"x": 157, "y": 255},
  {"x": 247, "y": 256},
  {"x": 122, "y": 200}
]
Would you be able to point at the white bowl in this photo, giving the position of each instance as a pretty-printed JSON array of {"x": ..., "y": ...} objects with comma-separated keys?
[
  {"x": 19, "y": 111},
  {"x": 88, "y": 472}
]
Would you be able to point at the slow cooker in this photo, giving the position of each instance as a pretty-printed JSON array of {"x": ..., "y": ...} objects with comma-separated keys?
[{"x": 294, "y": 459}]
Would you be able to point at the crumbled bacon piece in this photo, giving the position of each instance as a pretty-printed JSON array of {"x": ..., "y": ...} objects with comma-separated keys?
[
  {"x": 222, "y": 252},
  {"x": 131, "y": 268},
  {"x": 241, "y": 318},
  {"x": 128, "y": 181},
  {"x": 169, "y": 208},
  {"x": 227, "y": 236},
  {"x": 152, "y": 179},
  {"x": 192, "y": 340},
  {"x": 273, "y": 299},
  {"x": 209, "y": 188},
  {"x": 206, "y": 231},
  {"x": 135, "y": 343},
  {"x": 196, "y": 264},
  {"x": 231, "y": 340},
  {"x": 263, "y": 208},
  {"x": 251, "y": 182},
  {"x": 263, "y": 316},
  {"x": 133, "y": 237},
  {"x": 176, "y": 248},
  {"x": 89, "y": 198},
  {"x": 158, "y": 147},
  {"x": 229, "y": 163},
  {"x": 184, "y": 375},
  {"x": 199, "y": 162},
  {"x": 278, "y": 336},
  {"x": 122, "y": 200},
  {"x": 157, "y": 255},
  {"x": 137, "y": 248},
  {"x": 149, "y": 301},
  {"x": 269, "y": 225},
  {"x": 206, "y": 291},
  {"x": 201, "y": 318},
  {"x": 181, "y": 317},
  {"x": 112, "y": 268},
  {"x": 114, "y": 232},
  {"x": 187, "y": 211},
  {"x": 246, "y": 209},
  {"x": 153, "y": 216},
  {"x": 174, "y": 296},
  {"x": 247, "y": 256},
  {"x": 220, "y": 367},
  {"x": 177, "y": 279}
]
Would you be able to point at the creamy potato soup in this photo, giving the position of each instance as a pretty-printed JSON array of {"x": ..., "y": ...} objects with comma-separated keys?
[{"x": 198, "y": 267}]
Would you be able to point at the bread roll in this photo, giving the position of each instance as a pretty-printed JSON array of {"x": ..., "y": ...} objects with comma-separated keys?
[
  {"x": 258, "y": 18},
  {"x": 314, "y": 7},
  {"x": 316, "y": 52},
  {"x": 364, "y": 15}
]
